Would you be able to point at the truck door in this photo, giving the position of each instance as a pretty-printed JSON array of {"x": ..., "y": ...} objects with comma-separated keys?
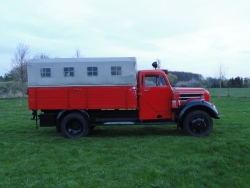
[{"x": 154, "y": 98}]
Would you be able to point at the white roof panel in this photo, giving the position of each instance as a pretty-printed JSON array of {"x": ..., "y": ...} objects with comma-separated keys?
[{"x": 104, "y": 77}]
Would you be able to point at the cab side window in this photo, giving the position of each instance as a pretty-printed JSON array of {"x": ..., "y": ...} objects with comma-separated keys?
[
  {"x": 162, "y": 81},
  {"x": 151, "y": 80},
  {"x": 154, "y": 81}
]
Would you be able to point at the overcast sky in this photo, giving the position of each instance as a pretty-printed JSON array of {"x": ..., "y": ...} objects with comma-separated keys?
[{"x": 192, "y": 36}]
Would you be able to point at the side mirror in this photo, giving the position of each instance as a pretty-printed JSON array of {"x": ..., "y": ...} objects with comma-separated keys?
[{"x": 154, "y": 64}]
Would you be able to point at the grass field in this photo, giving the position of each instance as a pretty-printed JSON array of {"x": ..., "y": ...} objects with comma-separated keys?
[
  {"x": 232, "y": 92},
  {"x": 131, "y": 156}
]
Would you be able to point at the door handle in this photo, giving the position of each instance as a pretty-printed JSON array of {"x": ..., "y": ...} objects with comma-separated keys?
[{"x": 145, "y": 90}]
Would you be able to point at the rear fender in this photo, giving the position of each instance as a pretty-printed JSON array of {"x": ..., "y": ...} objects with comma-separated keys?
[{"x": 197, "y": 105}]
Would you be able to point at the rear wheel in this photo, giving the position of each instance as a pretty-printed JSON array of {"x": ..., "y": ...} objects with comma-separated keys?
[
  {"x": 74, "y": 125},
  {"x": 198, "y": 123}
]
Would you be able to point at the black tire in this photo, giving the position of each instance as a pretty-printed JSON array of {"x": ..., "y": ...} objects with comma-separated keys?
[
  {"x": 74, "y": 125},
  {"x": 198, "y": 123}
]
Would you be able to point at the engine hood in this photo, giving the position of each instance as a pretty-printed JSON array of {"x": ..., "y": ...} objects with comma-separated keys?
[
  {"x": 189, "y": 90},
  {"x": 188, "y": 93}
]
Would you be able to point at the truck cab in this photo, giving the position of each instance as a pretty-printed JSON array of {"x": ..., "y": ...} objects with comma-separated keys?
[{"x": 155, "y": 95}]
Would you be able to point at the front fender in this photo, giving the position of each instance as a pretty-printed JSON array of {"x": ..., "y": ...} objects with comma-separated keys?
[{"x": 197, "y": 105}]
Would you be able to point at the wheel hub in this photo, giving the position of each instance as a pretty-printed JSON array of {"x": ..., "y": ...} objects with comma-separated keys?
[
  {"x": 198, "y": 124},
  {"x": 74, "y": 128}
]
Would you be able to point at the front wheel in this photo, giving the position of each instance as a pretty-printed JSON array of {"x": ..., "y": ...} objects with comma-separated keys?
[
  {"x": 198, "y": 123},
  {"x": 74, "y": 125}
]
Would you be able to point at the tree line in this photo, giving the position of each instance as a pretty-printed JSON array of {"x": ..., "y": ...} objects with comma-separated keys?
[
  {"x": 188, "y": 79},
  {"x": 186, "y": 76},
  {"x": 238, "y": 82}
]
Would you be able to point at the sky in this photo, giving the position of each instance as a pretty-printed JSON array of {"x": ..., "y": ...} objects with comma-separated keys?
[{"x": 192, "y": 36}]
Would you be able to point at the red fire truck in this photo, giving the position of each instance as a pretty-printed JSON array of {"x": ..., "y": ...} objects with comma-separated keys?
[{"x": 76, "y": 94}]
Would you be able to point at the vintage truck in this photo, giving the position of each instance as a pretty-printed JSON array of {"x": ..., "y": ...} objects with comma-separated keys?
[{"x": 76, "y": 94}]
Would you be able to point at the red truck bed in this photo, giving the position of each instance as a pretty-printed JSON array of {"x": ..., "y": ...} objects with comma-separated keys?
[{"x": 82, "y": 97}]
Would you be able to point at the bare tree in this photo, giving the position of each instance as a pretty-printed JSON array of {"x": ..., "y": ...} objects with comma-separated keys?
[
  {"x": 158, "y": 63},
  {"x": 77, "y": 53},
  {"x": 221, "y": 72},
  {"x": 41, "y": 56},
  {"x": 19, "y": 64}
]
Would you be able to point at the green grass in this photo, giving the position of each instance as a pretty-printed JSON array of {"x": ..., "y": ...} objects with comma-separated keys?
[
  {"x": 130, "y": 156},
  {"x": 232, "y": 92}
]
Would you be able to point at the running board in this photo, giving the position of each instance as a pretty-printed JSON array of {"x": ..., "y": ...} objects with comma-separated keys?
[
  {"x": 119, "y": 123},
  {"x": 138, "y": 123}
]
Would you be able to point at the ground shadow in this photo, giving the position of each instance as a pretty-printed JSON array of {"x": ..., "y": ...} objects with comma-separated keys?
[
  {"x": 106, "y": 131},
  {"x": 135, "y": 131}
]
